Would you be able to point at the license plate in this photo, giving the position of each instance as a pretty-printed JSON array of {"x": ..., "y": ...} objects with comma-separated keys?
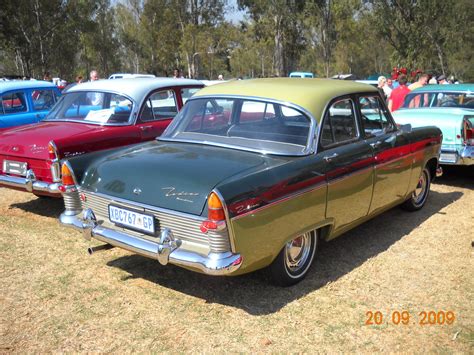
[
  {"x": 448, "y": 157},
  {"x": 14, "y": 167},
  {"x": 131, "y": 219}
]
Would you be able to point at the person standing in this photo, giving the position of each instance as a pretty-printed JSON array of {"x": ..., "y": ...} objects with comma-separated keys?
[
  {"x": 383, "y": 87},
  {"x": 395, "y": 101},
  {"x": 442, "y": 80},
  {"x": 422, "y": 81},
  {"x": 94, "y": 75},
  {"x": 95, "y": 98}
]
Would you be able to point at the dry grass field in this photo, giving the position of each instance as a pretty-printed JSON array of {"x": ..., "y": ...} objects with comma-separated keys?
[{"x": 56, "y": 298}]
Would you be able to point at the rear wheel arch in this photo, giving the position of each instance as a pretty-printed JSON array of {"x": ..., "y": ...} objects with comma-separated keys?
[{"x": 432, "y": 165}]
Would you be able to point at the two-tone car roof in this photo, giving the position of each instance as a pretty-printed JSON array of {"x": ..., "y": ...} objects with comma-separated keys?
[
  {"x": 446, "y": 88},
  {"x": 24, "y": 84},
  {"x": 135, "y": 88},
  {"x": 311, "y": 94}
]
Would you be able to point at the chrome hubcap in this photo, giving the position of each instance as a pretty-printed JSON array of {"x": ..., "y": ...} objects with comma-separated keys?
[
  {"x": 298, "y": 252},
  {"x": 420, "y": 190}
]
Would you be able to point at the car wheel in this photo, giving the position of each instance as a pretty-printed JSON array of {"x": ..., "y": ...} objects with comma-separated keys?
[
  {"x": 294, "y": 260},
  {"x": 418, "y": 197}
]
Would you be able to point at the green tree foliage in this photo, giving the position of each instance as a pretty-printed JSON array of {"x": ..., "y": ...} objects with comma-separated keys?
[{"x": 327, "y": 37}]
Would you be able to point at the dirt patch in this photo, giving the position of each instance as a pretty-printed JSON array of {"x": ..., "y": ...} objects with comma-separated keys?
[{"x": 54, "y": 297}]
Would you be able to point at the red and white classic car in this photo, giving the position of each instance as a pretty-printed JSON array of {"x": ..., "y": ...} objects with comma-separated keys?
[{"x": 89, "y": 117}]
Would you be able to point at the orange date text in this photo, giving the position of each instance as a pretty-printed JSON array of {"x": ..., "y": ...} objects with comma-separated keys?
[{"x": 423, "y": 318}]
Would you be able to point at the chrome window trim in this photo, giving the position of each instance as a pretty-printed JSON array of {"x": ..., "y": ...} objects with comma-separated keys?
[
  {"x": 308, "y": 149},
  {"x": 145, "y": 206},
  {"x": 356, "y": 118},
  {"x": 130, "y": 122},
  {"x": 282, "y": 199}
]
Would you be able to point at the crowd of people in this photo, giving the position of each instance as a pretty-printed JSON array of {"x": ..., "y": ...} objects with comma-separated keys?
[{"x": 395, "y": 90}]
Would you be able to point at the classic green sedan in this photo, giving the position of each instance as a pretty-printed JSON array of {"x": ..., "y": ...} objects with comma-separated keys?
[{"x": 253, "y": 174}]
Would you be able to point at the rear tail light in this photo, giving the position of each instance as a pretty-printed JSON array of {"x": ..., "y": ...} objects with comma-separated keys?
[
  {"x": 52, "y": 151},
  {"x": 468, "y": 130},
  {"x": 67, "y": 175},
  {"x": 215, "y": 210},
  {"x": 215, "y": 214}
]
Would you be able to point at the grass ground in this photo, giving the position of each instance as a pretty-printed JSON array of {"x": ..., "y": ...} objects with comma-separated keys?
[{"x": 55, "y": 298}]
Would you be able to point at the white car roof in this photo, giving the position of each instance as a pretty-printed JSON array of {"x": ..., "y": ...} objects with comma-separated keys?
[{"x": 135, "y": 88}]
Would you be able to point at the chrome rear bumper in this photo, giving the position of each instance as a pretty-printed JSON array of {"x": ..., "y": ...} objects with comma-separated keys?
[
  {"x": 29, "y": 183},
  {"x": 465, "y": 156},
  {"x": 166, "y": 249}
]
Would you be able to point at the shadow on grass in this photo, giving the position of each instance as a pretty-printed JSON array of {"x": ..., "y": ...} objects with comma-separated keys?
[
  {"x": 254, "y": 294},
  {"x": 43, "y": 206},
  {"x": 458, "y": 176}
]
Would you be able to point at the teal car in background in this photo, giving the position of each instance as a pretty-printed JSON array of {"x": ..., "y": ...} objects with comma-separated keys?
[{"x": 449, "y": 107}]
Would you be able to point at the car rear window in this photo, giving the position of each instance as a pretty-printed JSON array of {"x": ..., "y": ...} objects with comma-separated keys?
[{"x": 241, "y": 123}]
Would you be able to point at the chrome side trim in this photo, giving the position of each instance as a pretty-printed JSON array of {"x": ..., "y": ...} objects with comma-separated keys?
[
  {"x": 353, "y": 173},
  {"x": 381, "y": 165},
  {"x": 29, "y": 183},
  {"x": 282, "y": 199}
]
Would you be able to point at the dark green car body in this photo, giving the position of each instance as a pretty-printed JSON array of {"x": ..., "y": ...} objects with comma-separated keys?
[{"x": 326, "y": 188}]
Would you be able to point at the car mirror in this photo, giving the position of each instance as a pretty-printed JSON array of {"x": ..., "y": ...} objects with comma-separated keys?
[{"x": 405, "y": 128}]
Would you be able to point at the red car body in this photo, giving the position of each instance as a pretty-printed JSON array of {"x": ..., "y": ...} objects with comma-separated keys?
[{"x": 30, "y": 156}]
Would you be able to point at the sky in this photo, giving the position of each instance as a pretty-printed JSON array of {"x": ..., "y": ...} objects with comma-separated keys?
[{"x": 234, "y": 15}]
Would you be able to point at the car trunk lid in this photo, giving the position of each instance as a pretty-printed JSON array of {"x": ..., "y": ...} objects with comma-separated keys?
[{"x": 176, "y": 176}]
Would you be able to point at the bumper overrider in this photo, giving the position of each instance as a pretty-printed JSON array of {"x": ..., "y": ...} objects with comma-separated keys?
[
  {"x": 166, "y": 249},
  {"x": 29, "y": 183}
]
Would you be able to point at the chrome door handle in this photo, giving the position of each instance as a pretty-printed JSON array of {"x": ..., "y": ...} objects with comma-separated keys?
[
  {"x": 146, "y": 128},
  {"x": 375, "y": 144},
  {"x": 328, "y": 158}
]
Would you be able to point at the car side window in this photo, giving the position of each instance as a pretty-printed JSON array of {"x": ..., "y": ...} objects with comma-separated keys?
[
  {"x": 159, "y": 106},
  {"x": 14, "y": 102},
  {"x": 43, "y": 99},
  {"x": 187, "y": 93},
  {"x": 339, "y": 124},
  {"x": 375, "y": 119}
]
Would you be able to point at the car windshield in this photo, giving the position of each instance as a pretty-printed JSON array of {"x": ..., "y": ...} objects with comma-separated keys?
[
  {"x": 243, "y": 124},
  {"x": 439, "y": 99},
  {"x": 92, "y": 107}
]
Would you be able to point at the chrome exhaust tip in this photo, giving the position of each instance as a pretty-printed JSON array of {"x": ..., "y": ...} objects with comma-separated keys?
[{"x": 92, "y": 250}]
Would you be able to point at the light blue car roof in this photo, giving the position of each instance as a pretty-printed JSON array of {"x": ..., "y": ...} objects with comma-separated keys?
[
  {"x": 24, "y": 84},
  {"x": 446, "y": 88}
]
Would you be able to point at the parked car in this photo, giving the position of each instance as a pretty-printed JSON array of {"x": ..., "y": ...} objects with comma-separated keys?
[
  {"x": 253, "y": 174},
  {"x": 89, "y": 117},
  {"x": 301, "y": 74},
  {"x": 130, "y": 76},
  {"x": 449, "y": 107},
  {"x": 25, "y": 101}
]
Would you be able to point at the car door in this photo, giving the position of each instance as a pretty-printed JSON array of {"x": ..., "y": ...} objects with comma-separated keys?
[
  {"x": 157, "y": 112},
  {"x": 41, "y": 100},
  {"x": 349, "y": 164},
  {"x": 391, "y": 150},
  {"x": 16, "y": 109}
]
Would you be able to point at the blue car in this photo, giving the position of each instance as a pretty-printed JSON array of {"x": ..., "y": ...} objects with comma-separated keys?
[{"x": 24, "y": 102}]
